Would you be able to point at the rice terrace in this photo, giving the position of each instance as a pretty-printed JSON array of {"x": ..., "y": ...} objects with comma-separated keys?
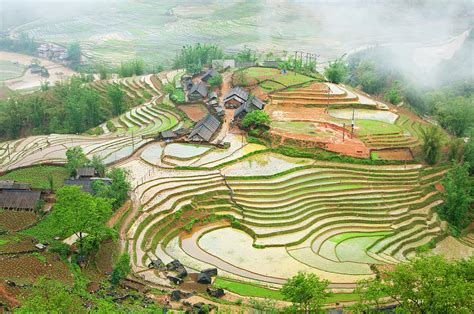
[{"x": 230, "y": 173}]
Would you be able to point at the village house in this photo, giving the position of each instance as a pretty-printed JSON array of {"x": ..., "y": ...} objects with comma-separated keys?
[
  {"x": 187, "y": 82},
  {"x": 253, "y": 103},
  {"x": 52, "y": 52},
  {"x": 236, "y": 97},
  {"x": 205, "y": 129},
  {"x": 16, "y": 195},
  {"x": 209, "y": 74},
  {"x": 85, "y": 177},
  {"x": 198, "y": 91}
]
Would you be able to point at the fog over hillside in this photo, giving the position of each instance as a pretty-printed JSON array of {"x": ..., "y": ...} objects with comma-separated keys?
[{"x": 421, "y": 33}]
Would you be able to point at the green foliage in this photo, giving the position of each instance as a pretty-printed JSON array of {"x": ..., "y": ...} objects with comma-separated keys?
[
  {"x": 60, "y": 248},
  {"x": 431, "y": 144},
  {"x": 246, "y": 55},
  {"x": 75, "y": 212},
  {"x": 22, "y": 44},
  {"x": 192, "y": 58},
  {"x": 427, "y": 284},
  {"x": 336, "y": 71},
  {"x": 39, "y": 176},
  {"x": 103, "y": 71},
  {"x": 247, "y": 289},
  {"x": 121, "y": 269},
  {"x": 50, "y": 296},
  {"x": 131, "y": 68},
  {"x": 215, "y": 81},
  {"x": 117, "y": 98},
  {"x": 177, "y": 95},
  {"x": 393, "y": 94},
  {"x": 98, "y": 165},
  {"x": 74, "y": 53},
  {"x": 306, "y": 292},
  {"x": 458, "y": 197},
  {"x": 117, "y": 192},
  {"x": 111, "y": 126},
  {"x": 40, "y": 257},
  {"x": 75, "y": 158},
  {"x": 455, "y": 113},
  {"x": 469, "y": 152},
  {"x": 70, "y": 107},
  {"x": 256, "y": 118},
  {"x": 456, "y": 150}
]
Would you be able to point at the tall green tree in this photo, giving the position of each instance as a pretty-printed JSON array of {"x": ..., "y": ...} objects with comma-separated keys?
[
  {"x": 121, "y": 269},
  {"x": 427, "y": 284},
  {"x": 431, "y": 144},
  {"x": 117, "y": 97},
  {"x": 80, "y": 213},
  {"x": 336, "y": 71},
  {"x": 74, "y": 52},
  {"x": 117, "y": 191},
  {"x": 215, "y": 81},
  {"x": 458, "y": 197},
  {"x": 75, "y": 158},
  {"x": 307, "y": 292}
]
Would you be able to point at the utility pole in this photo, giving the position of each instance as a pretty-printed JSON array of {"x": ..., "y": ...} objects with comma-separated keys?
[
  {"x": 343, "y": 130},
  {"x": 353, "y": 122}
]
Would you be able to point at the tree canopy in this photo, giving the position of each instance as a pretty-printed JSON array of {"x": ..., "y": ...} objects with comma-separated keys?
[
  {"x": 74, "y": 53},
  {"x": 431, "y": 144},
  {"x": 255, "y": 119},
  {"x": 306, "y": 291},
  {"x": 77, "y": 212},
  {"x": 194, "y": 57},
  {"x": 427, "y": 284},
  {"x": 458, "y": 197},
  {"x": 117, "y": 191},
  {"x": 336, "y": 71}
]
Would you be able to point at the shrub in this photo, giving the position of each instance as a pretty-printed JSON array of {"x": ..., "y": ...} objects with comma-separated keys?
[{"x": 121, "y": 269}]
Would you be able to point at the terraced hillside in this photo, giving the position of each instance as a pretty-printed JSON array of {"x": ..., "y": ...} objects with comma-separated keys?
[
  {"x": 129, "y": 132},
  {"x": 323, "y": 94},
  {"x": 261, "y": 224}
]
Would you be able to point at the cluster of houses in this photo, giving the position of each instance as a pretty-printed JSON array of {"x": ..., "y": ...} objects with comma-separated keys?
[
  {"x": 84, "y": 178},
  {"x": 53, "y": 52},
  {"x": 16, "y": 195},
  {"x": 197, "y": 89}
]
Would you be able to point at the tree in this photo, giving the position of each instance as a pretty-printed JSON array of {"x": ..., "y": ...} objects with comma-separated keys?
[
  {"x": 393, "y": 94},
  {"x": 456, "y": 150},
  {"x": 427, "y": 284},
  {"x": 246, "y": 55},
  {"x": 50, "y": 296},
  {"x": 215, "y": 81},
  {"x": 256, "y": 118},
  {"x": 306, "y": 291},
  {"x": 77, "y": 212},
  {"x": 121, "y": 268},
  {"x": 74, "y": 53},
  {"x": 469, "y": 152},
  {"x": 336, "y": 71},
  {"x": 103, "y": 72},
  {"x": 457, "y": 195},
  {"x": 431, "y": 144},
  {"x": 75, "y": 159},
  {"x": 117, "y": 191},
  {"x": 240, "y": 78},
  {"x": 98, "y": 165},
  {"x": 117, "y": 98},
  {"x": 193, "y": 57}
]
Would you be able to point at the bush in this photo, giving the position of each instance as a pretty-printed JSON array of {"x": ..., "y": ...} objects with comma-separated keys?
[
  {"x": 60, "y": 248},
  {"x": 121, "y": 269},
  {"x": 256, "y": 118}
]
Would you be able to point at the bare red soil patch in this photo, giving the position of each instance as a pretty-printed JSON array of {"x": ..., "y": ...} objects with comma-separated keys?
[{"x": 195, "y": 112}]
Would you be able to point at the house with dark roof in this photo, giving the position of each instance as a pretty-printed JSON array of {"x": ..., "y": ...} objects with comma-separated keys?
[
  {"x": 198, "y": 91},
  {"x": 86, "y": 183},
  {"x": 186, "y": 82},
  {"x": 19, "y": 199},
  {"x": 236, "y": 97},
  {"x": 204, "y": 129},
  {"x": 85, "y": 172},
  {"x": 17, "y": 195},
  {"x": 209, "y": 74},
  {"x": 253, "y": 103}
]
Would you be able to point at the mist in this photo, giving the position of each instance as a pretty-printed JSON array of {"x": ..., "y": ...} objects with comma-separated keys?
[{"x": 417, "y": 35}]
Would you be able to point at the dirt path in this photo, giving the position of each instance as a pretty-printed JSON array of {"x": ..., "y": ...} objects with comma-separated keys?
[{"x": 116, "y": 216}]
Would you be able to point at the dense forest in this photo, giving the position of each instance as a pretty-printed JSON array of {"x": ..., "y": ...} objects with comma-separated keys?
[{"x": 72, "y": 107}]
